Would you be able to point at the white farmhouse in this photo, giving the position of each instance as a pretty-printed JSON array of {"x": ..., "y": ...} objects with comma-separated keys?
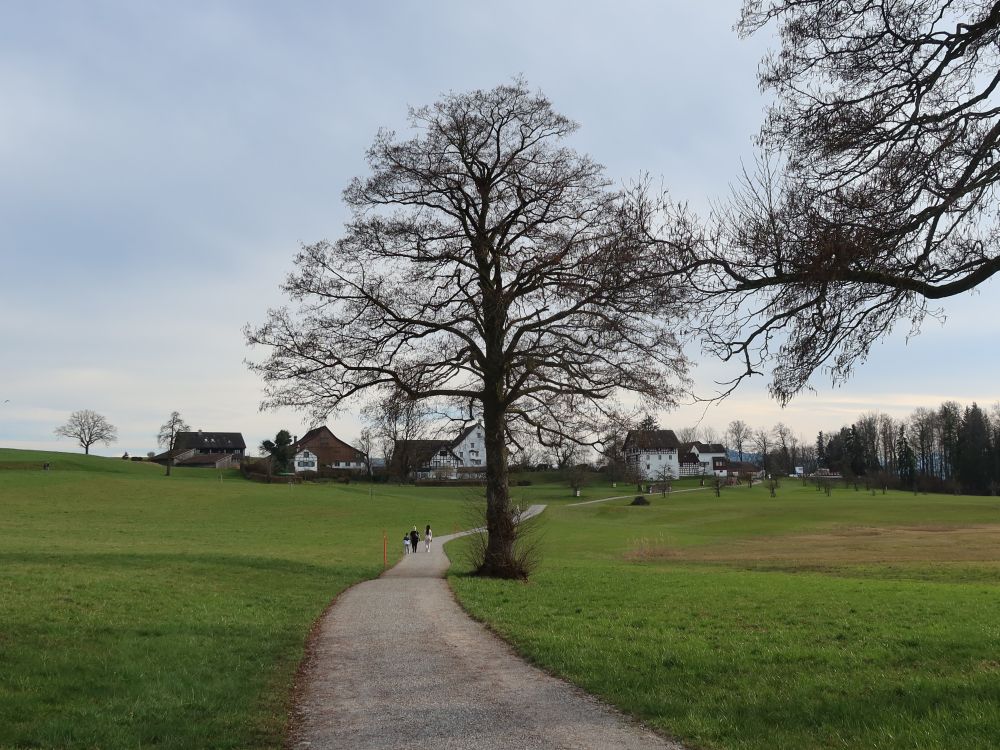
[
  {"x": 657, "y": 454},
  {"x": 469, "y": 446},
  {"x": 653, "y": 453},
  {"x": 703, "y": 459},
  {"x": 464, "y": 456}
]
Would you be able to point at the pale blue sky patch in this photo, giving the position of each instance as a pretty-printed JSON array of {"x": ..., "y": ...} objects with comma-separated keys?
[{"x": 161, "y": 162}]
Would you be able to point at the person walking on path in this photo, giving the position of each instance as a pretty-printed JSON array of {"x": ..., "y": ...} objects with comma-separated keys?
[
  {"x": 428, "y": 538},
  {"x": 415, "y": 539},
  {"x": 406, "y": 544}
]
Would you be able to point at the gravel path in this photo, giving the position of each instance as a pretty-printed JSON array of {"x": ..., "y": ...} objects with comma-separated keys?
[{"x": 396, "y": 663}]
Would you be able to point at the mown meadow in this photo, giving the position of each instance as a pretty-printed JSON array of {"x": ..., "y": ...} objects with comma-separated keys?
[
  {"x": 138, "y": 610},
  {"x": 857, "y": 620}
]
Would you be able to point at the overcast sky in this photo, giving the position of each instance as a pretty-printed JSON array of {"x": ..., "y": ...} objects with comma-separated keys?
[{"x": 161, "y": 162}]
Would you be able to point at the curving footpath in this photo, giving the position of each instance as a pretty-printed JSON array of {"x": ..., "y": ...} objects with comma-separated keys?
[{"x": 396, "y": 663}]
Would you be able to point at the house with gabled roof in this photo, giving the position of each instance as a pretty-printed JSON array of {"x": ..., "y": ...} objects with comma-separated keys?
[
  {"x": 210, "y": 449},
  {"x": 652, "y": 454},
  {"x": 464, "y": 455},
  {"x": 423, "y": 458},
  {"x": 708, "y": 458},
  {"x": 469, "y": 447},
  {"x": 320, "y": 449}
]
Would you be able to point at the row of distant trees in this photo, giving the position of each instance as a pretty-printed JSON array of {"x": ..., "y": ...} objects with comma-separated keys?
[{"x": 950, "y": 448}]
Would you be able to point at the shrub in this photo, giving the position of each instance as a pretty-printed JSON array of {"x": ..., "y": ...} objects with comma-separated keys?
[
  {"x": 527, "y": 538},
  {"x": 639, "y": 500}
]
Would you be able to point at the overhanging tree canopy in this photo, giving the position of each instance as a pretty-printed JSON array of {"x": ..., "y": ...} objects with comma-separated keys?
[
  {"x": 489, "y": 265},
  {"x": 879, "y": 187}
]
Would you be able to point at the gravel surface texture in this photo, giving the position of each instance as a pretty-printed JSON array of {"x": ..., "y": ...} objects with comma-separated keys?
[{"x": 396, "y": 663}]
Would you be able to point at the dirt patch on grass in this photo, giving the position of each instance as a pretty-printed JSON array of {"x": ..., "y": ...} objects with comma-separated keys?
[{"x": 841, "y": 546}]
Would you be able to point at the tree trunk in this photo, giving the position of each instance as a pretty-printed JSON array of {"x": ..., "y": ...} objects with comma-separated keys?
[
  {"x": 499, "y": 560},
  {"x": 86, "y": 450},
  {"x": 170, "y": 462}
]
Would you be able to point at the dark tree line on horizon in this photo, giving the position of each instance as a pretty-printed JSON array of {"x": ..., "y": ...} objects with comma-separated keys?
[{"x": 948, "y": 449}]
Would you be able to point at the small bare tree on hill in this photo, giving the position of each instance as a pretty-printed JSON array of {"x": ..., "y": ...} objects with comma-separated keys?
[
  {"x": 88, "y": 428},
  {"x": 167, "y": 436}
]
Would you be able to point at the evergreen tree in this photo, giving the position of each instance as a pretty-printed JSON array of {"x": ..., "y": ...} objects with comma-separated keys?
[
  {"x": 975, "y": 452},
  {"x": 950, "y": 420},
  {"x": 837, "y": 456},
  {"x": 280, "y": 450},
  {"x": 906, "y": 459},
  {"x": 856, "y": 452},
  {"x": 648, "y": 423}
]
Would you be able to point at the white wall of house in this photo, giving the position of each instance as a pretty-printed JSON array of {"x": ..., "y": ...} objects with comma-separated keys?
[
  {"x": 472, "y": 450},
  {"x": 707, "y": 461},
  {"x": 346, "y": 465},
  {"x": 651, "y": 463},
  {"x": 306, "y": 460}
]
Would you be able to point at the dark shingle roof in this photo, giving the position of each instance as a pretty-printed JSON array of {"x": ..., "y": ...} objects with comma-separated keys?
[
  {"x": 216, "y": 440},
  {"x": 464, "y": 434},
  {"x": 703, "y": 447},
  {"x": 652, "y": 440},
  {"x": 711, "y": 448},
  {"x": 316, "y": 432},
  {"x": 419, "y": 452}
]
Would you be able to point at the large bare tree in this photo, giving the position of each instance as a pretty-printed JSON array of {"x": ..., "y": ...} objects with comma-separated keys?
[
  {"x": 878, "y": 188},
  {"x": 489, "y": 265},
  {"x": 88, "y": 428}
]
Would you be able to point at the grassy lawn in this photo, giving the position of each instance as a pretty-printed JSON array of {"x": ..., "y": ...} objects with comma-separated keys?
[
  {"x": 140, "y": 610},
  {"x": 802, "y": 621}
]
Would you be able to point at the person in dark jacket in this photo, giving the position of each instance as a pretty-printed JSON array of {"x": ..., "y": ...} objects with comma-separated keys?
[{"x": 414, "y": 539}]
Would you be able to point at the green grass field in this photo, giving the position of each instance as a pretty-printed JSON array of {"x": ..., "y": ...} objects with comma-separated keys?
[
  {"x": 802, "y": 621},
  {"x": 138, "y": 610}
]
